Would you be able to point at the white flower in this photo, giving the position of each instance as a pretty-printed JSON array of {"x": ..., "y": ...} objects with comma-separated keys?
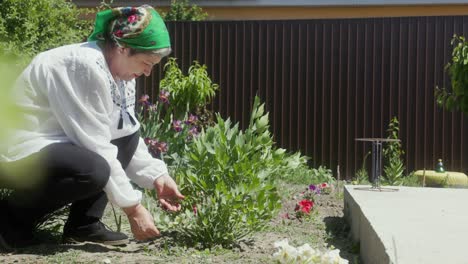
[
  {"x": 281, "y": 243},
  {"x": 305, "y": 254}
]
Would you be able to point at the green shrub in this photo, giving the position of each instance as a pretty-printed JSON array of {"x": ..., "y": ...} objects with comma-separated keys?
[
  {"x": 227, "y": 175},
  {"x": 29, "y": 27},
  {"x": 188, "y": 93}
]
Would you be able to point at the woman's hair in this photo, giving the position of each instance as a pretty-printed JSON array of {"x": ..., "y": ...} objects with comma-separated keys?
[{"x": 160, "y": 52}]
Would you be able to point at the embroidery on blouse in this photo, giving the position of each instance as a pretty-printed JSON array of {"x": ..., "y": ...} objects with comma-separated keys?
[{"x": 122, "y": 97}]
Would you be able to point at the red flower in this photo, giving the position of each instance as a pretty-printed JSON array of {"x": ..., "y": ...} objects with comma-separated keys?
[
  {"x": 195, "y": 211},
  {"x": 304, "y": 206}
]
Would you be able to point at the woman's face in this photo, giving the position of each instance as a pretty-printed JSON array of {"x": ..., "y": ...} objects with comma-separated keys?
[{"x": 126, "y": 67}]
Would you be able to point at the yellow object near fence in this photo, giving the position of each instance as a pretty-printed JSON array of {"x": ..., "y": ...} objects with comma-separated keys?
[{"x": 448, "y": 178}]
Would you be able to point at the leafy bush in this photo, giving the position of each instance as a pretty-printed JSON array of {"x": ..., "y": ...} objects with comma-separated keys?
[
  {"x": 457, "y": 98},
  {"x": 180, "y": 111},
  {"x": 181, "y": 10},
  {"x": 29, "y": 27},
  {"x": 227, "y": 178},
  {"x": 188, "y": 93}
]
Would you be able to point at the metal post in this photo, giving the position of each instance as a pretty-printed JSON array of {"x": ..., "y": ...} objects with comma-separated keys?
[{"x": 376, "y": 164}]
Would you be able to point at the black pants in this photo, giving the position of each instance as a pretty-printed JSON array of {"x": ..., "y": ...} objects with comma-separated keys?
[{"x": 70, "y": 174}]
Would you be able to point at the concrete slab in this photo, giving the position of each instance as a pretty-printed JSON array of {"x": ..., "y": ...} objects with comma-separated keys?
[{"x": 409, "y": 226}]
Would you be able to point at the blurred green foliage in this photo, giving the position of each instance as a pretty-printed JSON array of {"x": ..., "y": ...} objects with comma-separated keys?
[
  {"x": 9, "y": 70},
  {"x": 181, "y": 10},
  {"x": 29, "y": 27}
]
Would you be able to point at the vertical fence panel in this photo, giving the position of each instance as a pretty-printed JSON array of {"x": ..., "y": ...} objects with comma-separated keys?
[{"x": 327, "y": 82}]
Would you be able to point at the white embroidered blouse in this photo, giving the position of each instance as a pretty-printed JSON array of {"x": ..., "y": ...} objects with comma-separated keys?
[{"x": 68, "y": 94}]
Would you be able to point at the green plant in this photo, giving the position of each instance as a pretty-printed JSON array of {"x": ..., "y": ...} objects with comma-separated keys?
[
  {"x": 187, "y": 92},
  {"x": 165, "y": 136},
  {"x": 227, "y": 178},
  {"x": 52, "y": 223},
  {"x": 411, "y": 180},
  {"x": 392, "y": 152},
  {"x": 29, "y": 27},
  {"x": 117, "y": 219},
  {"x": 362, "y": 176},
  {"x": 457, "y": 97},
  {"x": 181, "y": 10},
  {"x": 294, "y": 169}
]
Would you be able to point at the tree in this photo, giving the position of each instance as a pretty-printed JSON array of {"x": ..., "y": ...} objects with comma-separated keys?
[{"x": 457, "y": 97}]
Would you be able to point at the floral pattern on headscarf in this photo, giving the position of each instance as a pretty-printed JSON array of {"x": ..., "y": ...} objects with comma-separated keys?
[{"x": 130, "y": 23}]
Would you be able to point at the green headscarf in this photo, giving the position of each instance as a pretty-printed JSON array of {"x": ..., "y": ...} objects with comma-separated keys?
[{"x": 140, "y": 28}]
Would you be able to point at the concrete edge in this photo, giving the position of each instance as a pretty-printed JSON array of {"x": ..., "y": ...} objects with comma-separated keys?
[{"x": 372, "y": 249}]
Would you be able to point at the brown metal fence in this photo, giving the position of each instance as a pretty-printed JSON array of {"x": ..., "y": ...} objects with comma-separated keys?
[{"x": 327, "y": 82}]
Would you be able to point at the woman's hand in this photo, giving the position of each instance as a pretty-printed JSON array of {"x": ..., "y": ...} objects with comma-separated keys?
[
  {"x": 141, "y": 223},
  {"x": 168, "y": 194}
]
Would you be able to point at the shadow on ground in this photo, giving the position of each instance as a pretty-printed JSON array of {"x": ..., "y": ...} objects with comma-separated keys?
[{"x": 339, "y": 237}]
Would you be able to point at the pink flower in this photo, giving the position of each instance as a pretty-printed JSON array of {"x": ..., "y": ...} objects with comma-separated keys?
[
  {"x": 193, "y": 131},
  {"x": 191, "y": 120},
  {"x": 164, "y": 96},
  {"x": 157, "y": 147},
  {"x": 144, "y": 99},
  {"x": 132, "y": 18},
  {"x": 324, "y": 185},
  {"x": 195, "y": 211},
  {"x": 177, "y": 125}
]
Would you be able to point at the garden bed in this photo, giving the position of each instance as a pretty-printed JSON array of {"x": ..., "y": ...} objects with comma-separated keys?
[{"x": 325, "y": 225}]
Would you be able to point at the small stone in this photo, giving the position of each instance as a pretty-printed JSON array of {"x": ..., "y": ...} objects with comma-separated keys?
[{"x": 106, "y": 260}]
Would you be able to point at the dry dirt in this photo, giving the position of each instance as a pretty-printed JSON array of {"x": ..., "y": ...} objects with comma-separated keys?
[{"x": 326, "y": 225}]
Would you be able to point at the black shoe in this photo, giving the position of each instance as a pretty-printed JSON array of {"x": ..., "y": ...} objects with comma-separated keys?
[
  {"x": 96, "y": 232},
  {"x": 12, "y": 235}
]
